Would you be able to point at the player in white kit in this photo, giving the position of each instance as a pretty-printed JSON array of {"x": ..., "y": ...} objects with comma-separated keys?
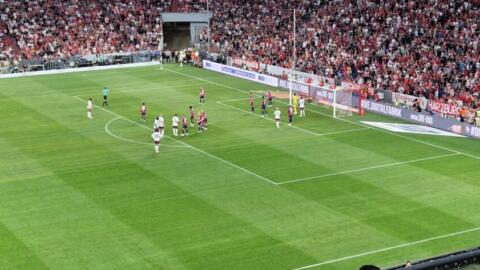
[
  {"x": 89, "y": 108},
  {"x": 161, "y": 124},
  {"x": 301, "y": 105},
  {"x": 277, "y": 114},
  {"x": 157, "y": 136},
  {"x": 156, "y": 123},
  {"x": 175, "y": 121}
]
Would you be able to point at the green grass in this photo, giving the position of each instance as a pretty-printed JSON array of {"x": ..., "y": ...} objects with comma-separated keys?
[{"x": 72, "y": 196}]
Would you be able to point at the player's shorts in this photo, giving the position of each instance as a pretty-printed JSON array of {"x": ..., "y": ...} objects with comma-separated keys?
[
  {"x": 290, "y": 118},
  {"x": 105, "y": 97},
  {"x": 301, "y": 108},
  {"x": 175, "y": 127},
  {"x": 202, "y": 97},
  {"x": 185, "y": 126},
  {"x": 157, "y": 142},
  {"x": 270, "y": 99},
  {"x": 277, "y": 119},
  {"x": 205, "y": 121},
  {"x": 161, "y": 127},
  {"x": 143, "y": 113},
  {"x": 264, "y": 107}
]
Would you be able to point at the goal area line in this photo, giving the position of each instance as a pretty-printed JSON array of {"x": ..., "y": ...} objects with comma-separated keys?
[{"x": 222, "y": 102}]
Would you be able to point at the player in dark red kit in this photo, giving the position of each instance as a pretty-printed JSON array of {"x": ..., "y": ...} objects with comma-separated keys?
[
  {"x": 143, "y": 112},
  {"x": 290, "y": 115},
  {"x": 192, "y": 116},
  {"x": 252, "y": 102},
  {"x": 200, "y": 122},
  {"x": 205, "y": 120},
  {"x": 202, "y": 95},
  {"x": 270, "y": 98},
  {"x": 184, "y": 126},
  {"x": 264, "y": 107}
]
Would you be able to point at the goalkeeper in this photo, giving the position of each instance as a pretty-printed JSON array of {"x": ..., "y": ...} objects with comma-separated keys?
[{"x": 295, "y": 103}]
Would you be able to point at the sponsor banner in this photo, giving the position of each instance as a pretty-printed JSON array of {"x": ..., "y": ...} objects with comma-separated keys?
[
  {"x": 472, "y": 131},
  {"x": 381, "y": 108},
  {"x": 240, "y": 73},
  {"x": 251, "y": 65},
  {"x": 435, "y": 121},
  {"x": 409, "y": 100},
  {"x": 71, "y": 70},
  {"x": 440, "y": 107},
  {"x": 297, "y": 87},
  {"x": 299, "y": 76},
  {"x": 325, "y": 94}
]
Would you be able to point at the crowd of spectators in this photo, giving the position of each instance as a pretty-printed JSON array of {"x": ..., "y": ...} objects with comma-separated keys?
[
  {"x": 32, "y": 29},
  {"x": 426, "y": 48}
]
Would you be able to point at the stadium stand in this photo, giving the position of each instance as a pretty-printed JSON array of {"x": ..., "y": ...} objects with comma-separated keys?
[
  {"x": 423, "y": 48},
  {"x": 46, "y": 28}
]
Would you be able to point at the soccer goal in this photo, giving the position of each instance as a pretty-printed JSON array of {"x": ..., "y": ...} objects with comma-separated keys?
[{"x": 340, "y": 100}]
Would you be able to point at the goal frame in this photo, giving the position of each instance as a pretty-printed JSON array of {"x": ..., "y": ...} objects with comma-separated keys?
[{"x": 326, "y": 100}]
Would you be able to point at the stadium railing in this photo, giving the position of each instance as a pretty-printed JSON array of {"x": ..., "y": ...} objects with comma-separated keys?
[
  {"x": 59, "y": 63},
  {"x": 455, "y": 260}
]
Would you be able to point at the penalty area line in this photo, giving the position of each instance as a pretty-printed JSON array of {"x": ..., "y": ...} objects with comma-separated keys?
[
  {"x": 186, "y": 144},
  {"x": 221, "y": 102},
  {"x": 337, "y": 118},
  {"x": 368, "y": 168},
  {"x": 388, "y": 248}
]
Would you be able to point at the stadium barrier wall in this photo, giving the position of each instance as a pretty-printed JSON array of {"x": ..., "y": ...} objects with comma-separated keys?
[
  {"x": 297, "y": 87},
  {"x": 241, "y": 73},
  {"x": 435, "y": 121},
  {"x": 71, "y": 70},
  {"x": 454, "y": 260}
]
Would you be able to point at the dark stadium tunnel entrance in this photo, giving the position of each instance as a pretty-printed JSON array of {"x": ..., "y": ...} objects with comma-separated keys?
[{"x": 177, "y": 35}]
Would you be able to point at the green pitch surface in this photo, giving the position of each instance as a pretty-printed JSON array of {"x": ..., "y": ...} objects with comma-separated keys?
[{"x": 322, "y": 194}]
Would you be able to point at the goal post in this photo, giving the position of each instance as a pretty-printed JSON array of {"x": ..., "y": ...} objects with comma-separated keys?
[{"x": 342, "y": 101}]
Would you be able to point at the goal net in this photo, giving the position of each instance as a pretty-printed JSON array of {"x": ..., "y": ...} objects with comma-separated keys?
[{"x": 340, "y": 100}]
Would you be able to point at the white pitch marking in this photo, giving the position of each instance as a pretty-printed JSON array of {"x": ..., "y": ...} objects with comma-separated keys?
[
  {"x": 387, "y": 249},
  {"x": 339, "y": 119},
  {"x": 245, "y": 111},
  {"x": 126, "y": 91},
  {"x": 368, "y": 168},
  {"x": 293, "y": 126},
  {"x": 233, "y": 99},
  {"x": 132, "y": 141},
  {"x": 186, "y": 144}
]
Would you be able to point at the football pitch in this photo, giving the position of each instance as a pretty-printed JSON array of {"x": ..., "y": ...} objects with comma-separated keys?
[{"x": 324, "y": 193}]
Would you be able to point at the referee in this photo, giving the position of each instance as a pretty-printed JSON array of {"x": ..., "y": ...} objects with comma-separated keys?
[{"x": 106, "y": 93}]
